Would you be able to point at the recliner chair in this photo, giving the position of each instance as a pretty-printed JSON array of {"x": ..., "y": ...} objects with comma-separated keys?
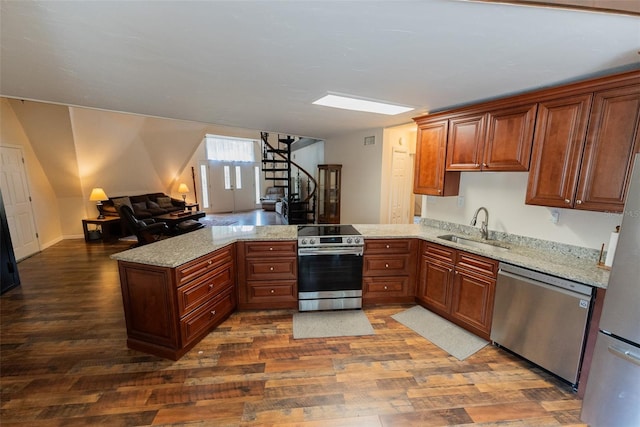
[{"x": 147, "y": 231}]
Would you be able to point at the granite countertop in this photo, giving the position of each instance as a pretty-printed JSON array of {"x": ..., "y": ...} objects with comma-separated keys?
[
  {"x": 187, "y": 247},
  {"x": 547, "y": 257},
  {"x": 555, "y": 259}
]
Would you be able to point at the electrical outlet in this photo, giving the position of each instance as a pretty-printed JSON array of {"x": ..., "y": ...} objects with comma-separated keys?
[
  {"x": 555, "y": 216},
  {"x": 460, "y": 201}
]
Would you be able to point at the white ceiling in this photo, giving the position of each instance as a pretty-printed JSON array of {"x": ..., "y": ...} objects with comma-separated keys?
[{"x": 260, "y": 64}]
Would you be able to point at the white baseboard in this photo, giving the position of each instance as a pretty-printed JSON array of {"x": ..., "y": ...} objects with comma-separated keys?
[{"x": 53, "y": 242}]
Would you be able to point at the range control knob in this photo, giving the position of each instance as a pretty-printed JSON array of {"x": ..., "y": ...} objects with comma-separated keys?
[
  {"x": 349, "y": 240},
  {"x": 312, "y": 241},
  {"x": 304, "y": 241},
  {"x": 357, "y": 240}
]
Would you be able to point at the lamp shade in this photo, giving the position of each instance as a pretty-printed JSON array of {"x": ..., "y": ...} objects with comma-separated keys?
[
  {"x": 98, "y": 194},
  {"x": 182, "y": 188}
]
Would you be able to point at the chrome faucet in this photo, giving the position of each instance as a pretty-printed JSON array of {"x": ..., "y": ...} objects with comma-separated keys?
[{"x": 484, "y": 229}]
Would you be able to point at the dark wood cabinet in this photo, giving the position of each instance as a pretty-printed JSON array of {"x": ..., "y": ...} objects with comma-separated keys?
[
  {"x": 612, "y": 140},
  {"x": 583, "y": 150},
  {"x": 267, "y": 274},
  {"x": 458, "y": 286},
  {"x": 465, "y": 142},
  {"x": 430, "y": 177},
  {"x": 329, "y": 183},
  {"x": 389, "y": 270},
  {"x": 169, "y": 310},
  {"x": 509, "y": 138}
]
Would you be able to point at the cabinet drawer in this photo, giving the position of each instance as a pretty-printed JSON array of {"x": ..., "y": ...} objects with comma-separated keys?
[
  {"x": 438, "y": 252},
  {"x": 207, "y": 316},
  {"x": 388, "y": 246},
  {"x": 477, "y": 263},
  {"x": 265, "y": 291},
  {"x": 202, "y": 265},
  {"x": 200, "y": 290},
  {"x": 386, "y": 286},
  {"x": 391, "y": 265},
  {"x": 271, "y": 268},
  {"x": 266, "y": 249}
]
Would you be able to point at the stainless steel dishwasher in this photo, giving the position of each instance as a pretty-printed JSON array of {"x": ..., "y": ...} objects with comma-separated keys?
[{"x": 542, "y": 318}]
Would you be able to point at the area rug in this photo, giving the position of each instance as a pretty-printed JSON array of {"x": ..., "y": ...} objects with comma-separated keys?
[
  {"x": 446, "y": 335},
  {"x": 322, "y": 324}
]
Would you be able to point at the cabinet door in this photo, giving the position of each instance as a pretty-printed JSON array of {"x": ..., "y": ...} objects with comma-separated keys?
[
  {"x": 509, "y": 139},
  {"x": 558, "y": 143},
  {"x": 612, "y": 139},
  {"x": 431, "y": 149},
  {"x": 434, "y": 289},
  {"x": 465, "y": 143},
  {"x": 472, "y": 301}
]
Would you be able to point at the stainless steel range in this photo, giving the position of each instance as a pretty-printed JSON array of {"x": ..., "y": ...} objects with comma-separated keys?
[{"x": 329, "y": 267}]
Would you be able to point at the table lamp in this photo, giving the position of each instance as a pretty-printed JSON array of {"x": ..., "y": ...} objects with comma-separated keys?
[
  {"x": 183, "y": 189},
  {"x": 98, "y": 195}
]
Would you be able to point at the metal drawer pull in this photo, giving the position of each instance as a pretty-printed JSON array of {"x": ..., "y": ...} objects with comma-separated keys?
[
  {"x": 211, "y": 286},
  {"x": 626, "y": 355},
  {"x": 270, "y": 249},
  {"x": 271, "y": 268},
  {"x": 386, "y": 265},
  {"x": 385, "y": 287},
  {"x": 578, "y": 202},
  {"x": 210, "y": 262},
  {"x": 388, "y": 246},
  {"x": 567, "y": 201},
  {"x": 273, "y": 291},
  {"x": 213, "y": 312}
]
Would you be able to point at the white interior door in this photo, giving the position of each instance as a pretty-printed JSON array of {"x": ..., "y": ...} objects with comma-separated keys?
[
  {"x": 232, "y": 187},
  {"x": 17, "y": 203},
  {"x": 400, "y": 200}
]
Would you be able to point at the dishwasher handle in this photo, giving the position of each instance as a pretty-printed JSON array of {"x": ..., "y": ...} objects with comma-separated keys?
[
  {"x": 548, "y": 286},
  {"x": 538, "y": 277}
]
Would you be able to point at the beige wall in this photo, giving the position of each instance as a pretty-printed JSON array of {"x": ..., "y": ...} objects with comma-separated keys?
[
  {"x": 503, "y": 194},
  {"x": 45, "y": 203},
  {"x": 361, "y": 175}
]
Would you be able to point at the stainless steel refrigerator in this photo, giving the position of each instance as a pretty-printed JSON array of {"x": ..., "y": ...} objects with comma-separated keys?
[{"x": 612, "y": 397}]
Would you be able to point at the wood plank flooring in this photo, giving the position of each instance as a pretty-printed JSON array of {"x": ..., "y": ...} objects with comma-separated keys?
[{"x": 64, "y": 362}]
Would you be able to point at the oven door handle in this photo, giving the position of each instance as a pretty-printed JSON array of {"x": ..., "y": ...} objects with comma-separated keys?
[{"x": 330, "y": 251}]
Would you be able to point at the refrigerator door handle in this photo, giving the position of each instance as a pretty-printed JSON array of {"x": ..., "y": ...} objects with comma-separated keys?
[{"x": 624, "y": 354}]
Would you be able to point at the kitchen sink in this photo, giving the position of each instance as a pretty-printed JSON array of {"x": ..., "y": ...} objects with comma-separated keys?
[{"x": 489, "y": 245}]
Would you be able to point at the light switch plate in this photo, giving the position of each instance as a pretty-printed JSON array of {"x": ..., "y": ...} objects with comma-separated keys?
[
  {"x": 555, "y": 216},
  {"x": 460, "y": 201}
]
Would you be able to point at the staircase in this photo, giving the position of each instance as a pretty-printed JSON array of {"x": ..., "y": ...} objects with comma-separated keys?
[{"x": 299, "y": 204}]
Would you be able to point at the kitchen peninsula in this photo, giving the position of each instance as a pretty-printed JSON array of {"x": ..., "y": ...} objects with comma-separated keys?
[{"x": 176, "y": 291}]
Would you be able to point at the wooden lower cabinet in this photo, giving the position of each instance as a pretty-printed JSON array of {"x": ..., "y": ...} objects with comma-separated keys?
[
  {"x": 267, "y": 275},
  {"x": 389, "y": 270},
  {"x": 169, "y": 310},
  {"x": 458, "y": 286}
]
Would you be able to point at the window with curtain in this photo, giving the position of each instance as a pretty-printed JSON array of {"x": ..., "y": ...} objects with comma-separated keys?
[{"x": 226, "y": 149}]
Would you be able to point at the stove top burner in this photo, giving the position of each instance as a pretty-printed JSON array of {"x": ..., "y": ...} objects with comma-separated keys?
[
  {"x": 326, "y": 230},
  {"x": 316, "y": 236}
]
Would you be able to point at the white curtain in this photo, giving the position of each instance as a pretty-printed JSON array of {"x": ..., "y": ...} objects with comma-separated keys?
[{"x": 220, "y": 148}]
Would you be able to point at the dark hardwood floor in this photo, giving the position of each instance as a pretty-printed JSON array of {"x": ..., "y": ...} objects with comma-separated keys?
[{"x": 64, "y": 362}]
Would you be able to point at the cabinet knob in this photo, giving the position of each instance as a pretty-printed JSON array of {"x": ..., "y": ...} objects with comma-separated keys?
[
  {"x": 213, "y": 312},
  {"x": 388, "y": 246},
  {"x": 385, "y": 287},
  {"x": 270, "y": 268},
  {"x": 578, "y": 202},
  {"x": 273, "y": 291},
  {"x": 209, "y": 262},
  {"x": 270, "y": 249},
  {"x": 386, "y": 265},
  {"x": 211, "y": 286},
  {"x": 484, "y": 165},
  {"x": 439, "y": 191},
  {"x": 567, "y": 201}
]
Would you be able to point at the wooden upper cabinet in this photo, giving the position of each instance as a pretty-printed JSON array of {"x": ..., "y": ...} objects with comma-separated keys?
[
  {"x": 509, "y": 138},
  {"x": 431, "y": 148},
  {"x": 612, "y": 139},
  {"x": 557, "y": 151},
  {"x": 583, "y": 150},
  {"x": 465, "y": 142},
  {"x": 498, "y": 140}
]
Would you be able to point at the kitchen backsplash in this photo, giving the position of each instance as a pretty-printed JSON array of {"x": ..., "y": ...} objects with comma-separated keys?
[{"x": 565, "y": 249}]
